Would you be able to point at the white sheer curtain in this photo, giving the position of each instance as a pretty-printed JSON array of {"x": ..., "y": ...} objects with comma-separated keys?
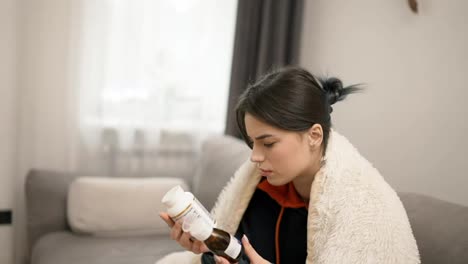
[{"x": 153, "y": 80}]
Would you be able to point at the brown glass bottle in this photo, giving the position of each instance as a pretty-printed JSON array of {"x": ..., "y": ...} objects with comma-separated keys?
[{"x": 219, "y": 241}]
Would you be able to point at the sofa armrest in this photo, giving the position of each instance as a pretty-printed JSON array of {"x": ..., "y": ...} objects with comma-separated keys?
[
  {"x": 46, "y": 194},
  {"x": 440, "y": 228}
]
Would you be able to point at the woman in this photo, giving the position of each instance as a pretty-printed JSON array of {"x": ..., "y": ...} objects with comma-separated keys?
[{"x": 306, "y": 195}]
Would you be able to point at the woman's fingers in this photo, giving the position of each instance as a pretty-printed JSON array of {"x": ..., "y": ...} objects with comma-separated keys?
[
  {"x": 166, "y": 218},
  {"x": 254, "y": 257},
  {"x": 248, "y": 249},
  {"x": 176, "y": 231},
  {"x": 199, "y": 247},
  {"x": 192, "y": 244},
  {"x": 183, "y": 238},
  {"x": 203, "y": 247},
  {"x": 176, "y": 228},
  {"x": 185, "y": 241},
  {"x": 220, "y": 260}
]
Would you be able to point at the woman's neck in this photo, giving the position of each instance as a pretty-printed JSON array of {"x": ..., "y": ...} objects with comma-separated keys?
[
  {"x": 303, "y": 183},
  {"x": 303, "y": 187}
]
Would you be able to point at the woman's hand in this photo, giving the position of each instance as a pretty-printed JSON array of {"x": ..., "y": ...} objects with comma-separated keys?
[
  {"x": 183, "y": 238},
  {"x": 254, "y": 257}
]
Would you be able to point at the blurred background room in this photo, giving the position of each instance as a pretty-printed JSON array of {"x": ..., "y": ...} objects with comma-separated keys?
[{"x": 128, "y": 88}]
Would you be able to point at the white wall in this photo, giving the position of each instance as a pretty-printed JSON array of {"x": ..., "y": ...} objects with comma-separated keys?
[
  {"x": 411, "y": 122},
  {"x": 7, "y": 120}
]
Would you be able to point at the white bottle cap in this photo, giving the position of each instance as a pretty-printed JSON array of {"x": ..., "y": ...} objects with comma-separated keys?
[
  {"x": 200, "y": 229},
  {"x": 176, "y": 200}
]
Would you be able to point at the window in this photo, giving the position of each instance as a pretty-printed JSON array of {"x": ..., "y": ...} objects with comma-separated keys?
[
  {"x": 152, "y": 66},
  {"x": 157, "y": 63}
]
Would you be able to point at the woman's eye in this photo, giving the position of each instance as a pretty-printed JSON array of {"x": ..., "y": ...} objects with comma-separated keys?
[{"x": 269, "y": 145}]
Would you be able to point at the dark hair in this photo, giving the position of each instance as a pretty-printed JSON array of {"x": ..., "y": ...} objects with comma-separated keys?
[{"x": 292, "y": 99}]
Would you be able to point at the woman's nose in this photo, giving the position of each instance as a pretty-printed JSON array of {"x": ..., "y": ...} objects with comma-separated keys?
[{"x": 256, "y": 156}]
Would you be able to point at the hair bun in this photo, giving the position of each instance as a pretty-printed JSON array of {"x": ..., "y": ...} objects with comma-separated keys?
[{"x": 333, "y": 87}]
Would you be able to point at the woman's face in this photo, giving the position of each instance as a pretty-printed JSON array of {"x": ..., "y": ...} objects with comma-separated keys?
[{"x": 282, "y": 156}]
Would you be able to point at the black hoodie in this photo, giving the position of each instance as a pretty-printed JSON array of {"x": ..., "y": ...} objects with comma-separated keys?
[{"x": 275, "y": 223}]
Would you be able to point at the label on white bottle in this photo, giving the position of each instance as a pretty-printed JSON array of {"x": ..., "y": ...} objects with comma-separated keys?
[
  {"x": 203, "y": 213},
  {"x": 192, "y": 212},
  {"x": 234, "y": 248},
  {"x": 187, "y": 211}
]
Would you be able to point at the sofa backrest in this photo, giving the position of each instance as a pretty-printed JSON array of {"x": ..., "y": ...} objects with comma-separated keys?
[{"x": 220, "y": 158}]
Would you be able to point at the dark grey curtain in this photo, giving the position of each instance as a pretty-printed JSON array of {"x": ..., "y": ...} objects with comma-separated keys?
[{"x": 267, "y": 36}]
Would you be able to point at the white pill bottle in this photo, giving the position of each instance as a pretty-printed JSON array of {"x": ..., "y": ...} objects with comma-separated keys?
[{"x": 181, "y": 205}]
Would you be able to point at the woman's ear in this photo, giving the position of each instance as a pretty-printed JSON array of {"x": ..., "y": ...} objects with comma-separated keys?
[{"x": 315, "y": 135}]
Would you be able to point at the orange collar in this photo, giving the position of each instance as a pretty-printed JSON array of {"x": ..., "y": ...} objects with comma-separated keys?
[{"x": 285, "y": 195}]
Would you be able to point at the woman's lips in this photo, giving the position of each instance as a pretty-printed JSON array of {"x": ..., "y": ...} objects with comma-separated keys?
[{"x": 266, "y": 173}]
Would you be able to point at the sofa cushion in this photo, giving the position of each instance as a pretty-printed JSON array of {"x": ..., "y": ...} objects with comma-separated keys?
[
  {"x": 66, "y": 247},
  {"x": 105, "y": 206}
]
